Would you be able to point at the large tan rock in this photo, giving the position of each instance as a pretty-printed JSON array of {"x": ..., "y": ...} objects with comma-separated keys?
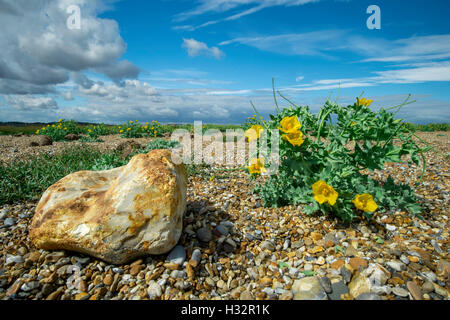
[{"x": 115, "y": 215}]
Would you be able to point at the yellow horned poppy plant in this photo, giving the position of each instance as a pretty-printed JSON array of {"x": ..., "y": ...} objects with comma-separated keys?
[
  {"x": 324, "y": 193},
  {"x": 254, "y": 132},
  {"x": 256, "y": 166},
  {"x": 290, "y": 124},
  {"x": 363, "y": 102},
  {"x": 365, "y": 202},
  {"x": 294, "y": 138}
]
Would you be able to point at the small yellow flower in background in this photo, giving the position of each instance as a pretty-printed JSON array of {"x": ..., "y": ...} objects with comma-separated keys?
[
  {"x": 128, "y": 129},
  {"x": 256, "y": 166},
  {"x": 324, "y": 193},
  {"x": 89, "y": 130},
  {"x": 154, "y": 133},
  {"x": 53, "y": 125},
  {"x": 290, "y": 124},
  {"x": 146, "y": 123},
  {"x": 48, "y": 125},
  {"x": 121, "y": 131},
  {"x": 152, "y": 128},
  {"x": 365, "y": 202},
  {"x": 146, "y": 127},
  {"x": 363, "y": 102},
  {"x": 294, "y": 138},
  {"x": 131, "y": 121},
  {"x": 37, "y": 132},
  {"x": 353, "y": 124},
  {"x": 254, "y": 132},
  {"x": 212, "y": 178},
  {"x": 43, "y": 128},
  {"x": 65, "y": 128},
  {"x": 59, "y": 120}
]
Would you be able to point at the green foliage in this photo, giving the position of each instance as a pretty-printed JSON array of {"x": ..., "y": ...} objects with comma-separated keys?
[
  {"x": 431, "y": 127},
  {"x": 254, "y": 120},
  {"x": 133, "y": 129},
  {"x": 13, "y": 130},
  {"x": 160, "y": 144},
  {"x": 325, "y": 155},
  {"x": 59, "y": 130},
  {"x": 93, "y": 132},
  {"x": 109, "y": 161},
  {"x": 198, "y": 170},
  {"x": 27, "y": 180}
]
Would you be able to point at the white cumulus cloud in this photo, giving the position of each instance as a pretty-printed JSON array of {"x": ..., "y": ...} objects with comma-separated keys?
[
  {"x": 40, "y": 51},
  {"x": 196, "y": 48}
]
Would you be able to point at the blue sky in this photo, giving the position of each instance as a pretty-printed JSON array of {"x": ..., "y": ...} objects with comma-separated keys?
[{"x": 180, "y": 60}]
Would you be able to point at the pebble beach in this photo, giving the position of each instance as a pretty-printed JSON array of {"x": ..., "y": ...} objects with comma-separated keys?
[{"x": 233, "y": 248}]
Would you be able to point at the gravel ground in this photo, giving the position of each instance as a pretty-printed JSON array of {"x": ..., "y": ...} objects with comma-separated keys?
[{"x": 233, "y": 248}]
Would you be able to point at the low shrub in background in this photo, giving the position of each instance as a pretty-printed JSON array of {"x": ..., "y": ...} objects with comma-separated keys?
[
  {"x": 59, "y": 130},
  {"x": 133, "y": 129}
]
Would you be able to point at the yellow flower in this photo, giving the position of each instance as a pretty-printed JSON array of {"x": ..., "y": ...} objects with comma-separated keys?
[
  {"x": 353, "y": 124},
  {"x": 146, "y": 127},
  {"x": 365, "y": 202},
  {"x": 120, "y": 131},
  {"x": 363, "y": 102},
  {"x": 324, "y": 193},
  {"x": 212, "y": 178},
  {"x": 256, "y": 166},
  {"x": 128, "y": 129},
  {"x": 59, "y": 120},
  {"x": 294, "y": 138},
  {"x": 37, "y": 132},
  {"x": 89, "y": 130},
  {"x": 65, "y": 128},
  {"x": 254, "y": 132},
  {"x": 53, "y": 125},
  {"x": 131, "y": 121},
  {"x": 290, "y": 124},
  {"x": 43, "y": 128},
  {"x": 146, "y": 123}
]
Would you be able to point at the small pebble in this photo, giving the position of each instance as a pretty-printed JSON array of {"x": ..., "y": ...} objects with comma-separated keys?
[
  {"x": 177, "y": 255},
  {"x": 204, "y": 234},
  {"x": 398, "y": 291}
]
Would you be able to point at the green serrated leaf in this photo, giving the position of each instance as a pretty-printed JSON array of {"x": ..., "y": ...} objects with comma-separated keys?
[
  {"x": 379, "y": 240},
  {"x": 338, "y": 249}
]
